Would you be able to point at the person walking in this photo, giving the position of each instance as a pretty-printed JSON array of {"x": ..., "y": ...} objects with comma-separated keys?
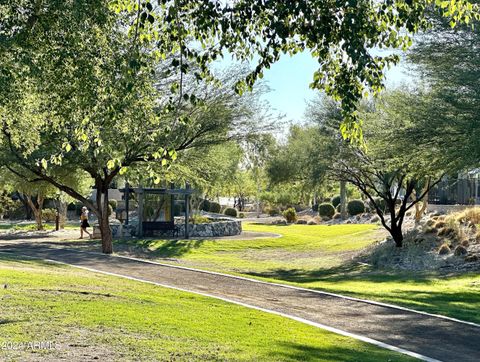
[{"x": 84, "y": 223}]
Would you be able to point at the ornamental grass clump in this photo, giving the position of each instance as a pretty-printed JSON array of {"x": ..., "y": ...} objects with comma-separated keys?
[
  {"x": 471, "y": 215},
  {"x": 444, "y": 249},
  {"x": 290, "y": 215}
]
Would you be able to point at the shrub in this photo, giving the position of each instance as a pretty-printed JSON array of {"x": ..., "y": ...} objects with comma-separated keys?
[
  {"x": 241, "y": 215},
  {"x": 230, "y": 211},
  {"x": 326, "y": 209},
  {"x": 336, "y": 200},
  {"x": 465, "y": 243},
  {"x": 315, "y": 207},
  {"x": 379, "y": 202},
  {"x": 49, "y": 215},
  {"x": 444, "y": 249},
  {"x": 273, "y": 211},
  {"x": 460, "y": 250},
  {"x": 327, "y": 199},
  {"x": 16, "y": 212},
  {"x": 78, "y": 208},
  {"x": 71, "y": 206},
  {"x": 199, "y": 219},
  {"x": 302, "y": 222},
  {"x": 178, "y": 209},
  {"x": 215, "y": 207},
  {"x": 298, "y": 207},
  {"x": 290, "y": 215},
  {"x": 113, "y": 204},
  {"x": 355, "y": 207},
  {"x": 204, "y": 205}
]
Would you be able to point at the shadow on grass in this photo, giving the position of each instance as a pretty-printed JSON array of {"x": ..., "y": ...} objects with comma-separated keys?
[
  {"x": 25, "y": 235},
  {"x": 351, "y": 271},
  {"x": 155, "y": 248},
  {"x": 461, "y": 303},
  {"x": 8, "y": 255},
  {"x": 291, "y": 351}
]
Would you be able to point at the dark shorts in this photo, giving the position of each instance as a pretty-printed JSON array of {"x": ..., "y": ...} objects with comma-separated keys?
[{"x": 85, "y": 224}]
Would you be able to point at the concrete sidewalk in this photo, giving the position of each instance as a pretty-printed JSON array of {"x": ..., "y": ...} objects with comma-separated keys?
[{"x": 437, "y": 338}]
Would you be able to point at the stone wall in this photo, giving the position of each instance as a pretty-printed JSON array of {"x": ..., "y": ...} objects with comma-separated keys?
[
  {"x": 216, "y": 228},
  {"x": 219, "y": 227}
]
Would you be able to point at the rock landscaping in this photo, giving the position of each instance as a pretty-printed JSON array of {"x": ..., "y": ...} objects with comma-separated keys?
[
  {"x": 448, "y": 243},
  {"x": 438, "y": 242}
]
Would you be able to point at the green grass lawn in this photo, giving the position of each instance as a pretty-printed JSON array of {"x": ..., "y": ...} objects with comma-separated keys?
[
  {"x": 92, "y": 315},
  {"x": 30, "y": 226},
  {"x": 320, "y": 257}
]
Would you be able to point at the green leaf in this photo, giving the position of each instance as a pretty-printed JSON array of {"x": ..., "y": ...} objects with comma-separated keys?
[{"x": 111, "y": 164}]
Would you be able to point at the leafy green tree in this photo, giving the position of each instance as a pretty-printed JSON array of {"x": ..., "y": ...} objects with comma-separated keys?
[
  {"x": 449, "y": 61},
  {"x": 6, "y": 202},
  {"x": 34, "y": 191},
  {"x": 339, "y": 35},
  {"x": 96, "y": 109},
  {"x": 299, "y": 161},
  {"x": 393, "y": 171},
  {"x": 259, "y": 150},
  {"x": 81, "y": 83}
]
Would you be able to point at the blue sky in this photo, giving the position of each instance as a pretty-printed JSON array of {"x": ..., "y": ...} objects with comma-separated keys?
[{"x": 289, "y": 80}]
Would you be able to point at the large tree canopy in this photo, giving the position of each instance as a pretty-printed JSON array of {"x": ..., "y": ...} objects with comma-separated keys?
[
  {"x": 104, "y": 85},
  {"x": 340, "y": 35},
  {"x": 449, "y": 60},
  {"x": 83, "y": 101}
]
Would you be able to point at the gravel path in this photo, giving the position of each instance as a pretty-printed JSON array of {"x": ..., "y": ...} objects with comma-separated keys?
[{"x": 437, "y": 338}]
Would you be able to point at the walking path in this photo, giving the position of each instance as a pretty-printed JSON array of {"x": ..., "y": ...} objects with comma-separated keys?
[{"x": 432, "y": 338}]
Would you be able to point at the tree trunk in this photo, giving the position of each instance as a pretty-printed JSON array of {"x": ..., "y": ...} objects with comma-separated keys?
[
  {"x": 37, "y": 210},
  {"x": 62, "y": 212},
  {"x": 103, "y": 219},
  {"x": 106, "y": 232},
  {"x": 420, "y": 210},
  {"x": 397, "y": 235},
  {"x": 343, "y": 199}
]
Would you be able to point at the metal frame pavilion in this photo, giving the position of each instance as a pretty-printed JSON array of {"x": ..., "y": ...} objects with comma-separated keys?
[{"x": 169, "y": 224}]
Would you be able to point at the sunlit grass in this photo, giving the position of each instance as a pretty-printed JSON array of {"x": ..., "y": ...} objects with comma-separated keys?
[
  {"x": 96, "y": 316},
  {"x": 320, "y": 257}
]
